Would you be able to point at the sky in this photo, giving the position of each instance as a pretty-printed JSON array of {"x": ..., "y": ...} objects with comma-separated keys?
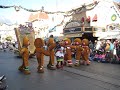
[{"x": 10, "y": 15}]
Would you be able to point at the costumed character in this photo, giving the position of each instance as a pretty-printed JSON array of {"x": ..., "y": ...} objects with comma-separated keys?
[
  {"x": 59, "y": 53},
  {"x": 85, "y": 52},
  {"x": 40, "y": 52},
  {"x": 68, "y": 52},
  {"x": 51, "y": 46},
  {"x": 24, "y": 52},
  {"x": 78, "y": 49}
]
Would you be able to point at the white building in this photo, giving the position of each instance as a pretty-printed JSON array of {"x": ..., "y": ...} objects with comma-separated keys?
[
  {"x": 108, "y": 17},
  {"x": 95, "y": 19},
  {"x": 5, "y": 31},
  {"x": 106, "y": 11}
]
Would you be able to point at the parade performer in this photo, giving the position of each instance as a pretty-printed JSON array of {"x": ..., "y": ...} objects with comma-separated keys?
[
  {"x": 59, "y": 53},
  {"x": 85, "y": 52},
  {"x": 40, "y": 52},
  {"x": 51, "y": 46},
  {"x": 24, "y": 52},
  {"x": 68, "y": 52},
  {"x": 78, "y": 50}
]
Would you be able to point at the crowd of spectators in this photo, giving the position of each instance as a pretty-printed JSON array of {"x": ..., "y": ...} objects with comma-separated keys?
[{"x": 105, "y": 50}]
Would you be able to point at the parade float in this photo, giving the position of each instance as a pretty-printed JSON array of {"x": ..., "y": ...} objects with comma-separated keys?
[{"x": 20, "y": 32}]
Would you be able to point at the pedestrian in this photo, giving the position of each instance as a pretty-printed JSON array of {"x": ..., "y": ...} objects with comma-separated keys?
[{"x": 59, "y": 53}]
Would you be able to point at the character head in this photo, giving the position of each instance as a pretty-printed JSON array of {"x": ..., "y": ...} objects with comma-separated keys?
[
  {"x": 26, "y": 42},
  {"x": 61, "y": 43},
  {"x": 51, "y": 41},
  {"x": 67, "y": 41},
  {"x": 85, "y": 42},
  {"x": 51, "y": 36},
  {"x": 39, "y": 42},
  {"x": 77, "y": 41}
]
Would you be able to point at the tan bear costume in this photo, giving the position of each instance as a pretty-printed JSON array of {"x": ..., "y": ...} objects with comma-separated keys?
[
  {"x": 78, "y": 49},
  {"x": 86, "y": 51},
  {"x": 40, "y": 52},
  {"x": 25, "y": 55},
  {"x": 51, "y": 45}
]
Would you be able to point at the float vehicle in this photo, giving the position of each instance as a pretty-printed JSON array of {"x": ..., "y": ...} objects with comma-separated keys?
[{"x": 20, "y": 32}]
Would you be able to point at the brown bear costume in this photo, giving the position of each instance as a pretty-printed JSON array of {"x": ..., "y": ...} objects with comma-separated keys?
[
  {"x": 85, "y": 52},
  {"x": 25, "y": 56},
  {"x": 51, "y": 46},
  {"x": 78, "y": 49},
  {"x": 40, "y": 52}
]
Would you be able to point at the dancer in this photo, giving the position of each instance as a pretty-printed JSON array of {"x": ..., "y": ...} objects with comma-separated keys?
[
  {"x": 25, "y": 56},
  {"x": 59, "y": 55}
]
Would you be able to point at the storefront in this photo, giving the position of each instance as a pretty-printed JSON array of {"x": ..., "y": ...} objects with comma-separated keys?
[
  {"x": 92, "y": 22},
  {"x": 75, "y": 29}
]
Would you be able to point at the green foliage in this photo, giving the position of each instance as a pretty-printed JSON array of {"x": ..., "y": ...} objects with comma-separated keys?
[{"x": 8, "y": 38}]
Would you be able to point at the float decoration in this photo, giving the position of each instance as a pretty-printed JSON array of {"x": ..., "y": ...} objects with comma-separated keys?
[{"x": 113, "y": 17}]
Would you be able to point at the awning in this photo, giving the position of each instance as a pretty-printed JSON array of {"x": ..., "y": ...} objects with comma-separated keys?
[
  {"x": 94, "y": 18},
  {"x": 111, "y": 37},
  {"x": 74, "y": 35}
]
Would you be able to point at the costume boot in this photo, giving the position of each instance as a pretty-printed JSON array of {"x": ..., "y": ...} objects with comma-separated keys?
[
  {"x": 26, "y": 71},
  {"x": 57, "y": 66},
  {"x": 69, "y": 63},
  {"x": 50, "y": 66},
  {"x": 40, "y": 70},
  {"x": 77, "y": 63},
  {"x": 88, "y": 62},
  {"x": 21, "y": 68}
]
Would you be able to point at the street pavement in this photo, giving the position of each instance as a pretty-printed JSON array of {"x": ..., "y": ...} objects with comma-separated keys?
[{"x": 97, "y": 76}]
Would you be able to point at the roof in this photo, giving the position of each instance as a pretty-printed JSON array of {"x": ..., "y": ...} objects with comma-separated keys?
[
  {"x": 38, "y": 16},
  {"x": 117, "y": 5}
]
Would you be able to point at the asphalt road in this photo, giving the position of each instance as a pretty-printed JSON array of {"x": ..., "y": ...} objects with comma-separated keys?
[{"x": 97, "y": 76}]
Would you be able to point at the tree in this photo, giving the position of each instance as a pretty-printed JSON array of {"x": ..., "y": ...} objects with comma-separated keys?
[{"x": 8, "y": 38}]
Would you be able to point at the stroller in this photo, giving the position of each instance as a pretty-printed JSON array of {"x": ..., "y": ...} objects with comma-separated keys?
[
  {"x": 99, "y": 56},
  {"x": 3, "y": 86}
]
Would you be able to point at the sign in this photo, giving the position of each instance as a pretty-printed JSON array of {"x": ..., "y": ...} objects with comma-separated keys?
[
  {"x": 72, "y": 30},
  {"x": 114, "y": 17}
]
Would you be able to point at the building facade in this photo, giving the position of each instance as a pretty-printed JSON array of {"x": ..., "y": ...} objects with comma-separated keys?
[{"x": 94, "y": 20}]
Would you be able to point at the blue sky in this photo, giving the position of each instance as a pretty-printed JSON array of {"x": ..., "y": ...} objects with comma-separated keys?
[{"x": 49, "y": 5}]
